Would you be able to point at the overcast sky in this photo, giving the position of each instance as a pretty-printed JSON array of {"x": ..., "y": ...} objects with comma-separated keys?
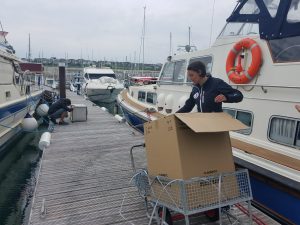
[{"x": 110, "y": 29}]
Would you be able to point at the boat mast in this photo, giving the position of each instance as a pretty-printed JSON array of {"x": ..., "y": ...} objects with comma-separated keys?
[
  {"x": 29, "y": 49},
  {"x": 143, "y": 40},
  {"x": 212, "y": 23},
  {"x": 170, "y": 53}
]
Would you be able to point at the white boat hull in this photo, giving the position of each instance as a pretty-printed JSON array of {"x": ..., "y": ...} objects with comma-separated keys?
[
  {"x": 12, "y": 114},
  {"x": 103, "y": 95}
]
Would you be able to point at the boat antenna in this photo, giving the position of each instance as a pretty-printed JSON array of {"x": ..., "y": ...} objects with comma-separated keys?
[
  {"x": 3, "y": 32},
  {"x": 212, "y": 22}
]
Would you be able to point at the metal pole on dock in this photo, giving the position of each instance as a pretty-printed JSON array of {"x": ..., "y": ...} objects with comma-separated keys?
[{"x": 62, "y": 80}]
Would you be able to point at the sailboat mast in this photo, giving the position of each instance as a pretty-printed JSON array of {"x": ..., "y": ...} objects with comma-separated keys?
[
  {"x": 29, "y": 50},
  {"x": 170, "y": 53},
  {"x": 143, "y": 39}
]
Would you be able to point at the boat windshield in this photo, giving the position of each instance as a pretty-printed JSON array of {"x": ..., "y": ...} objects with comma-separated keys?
[
  {"x": 240, "y": 29},
  {"x": 98, "y": 75}
]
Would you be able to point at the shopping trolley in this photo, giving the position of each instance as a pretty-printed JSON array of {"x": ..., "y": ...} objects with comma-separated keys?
[{"x": 164, "y": 196}]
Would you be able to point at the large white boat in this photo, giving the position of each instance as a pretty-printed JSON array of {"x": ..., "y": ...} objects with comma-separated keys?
[
  {"x": 101, "y": 85},
  {"x": 258, "y": 52},
  {"x": 18, "y": 92}
]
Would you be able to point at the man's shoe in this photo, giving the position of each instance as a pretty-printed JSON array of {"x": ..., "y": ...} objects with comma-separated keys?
[
  {"x": 63, "y": 123},
  {"x": 53, "y": 120}
]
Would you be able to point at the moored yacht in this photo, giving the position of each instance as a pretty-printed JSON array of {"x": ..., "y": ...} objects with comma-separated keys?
[
  {"x": 257, "y": 52},
  {"x": 100, "y": 84},
  {"x": 18, "y": 92}
]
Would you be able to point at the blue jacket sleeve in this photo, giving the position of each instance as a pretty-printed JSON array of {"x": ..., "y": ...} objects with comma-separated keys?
[
  {"x": 188, "y": 106},
  {"x": 232, "y": 95}
]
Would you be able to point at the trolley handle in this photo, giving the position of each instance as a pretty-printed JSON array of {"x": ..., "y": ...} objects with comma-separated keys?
[{"x": 131, "y": 155}]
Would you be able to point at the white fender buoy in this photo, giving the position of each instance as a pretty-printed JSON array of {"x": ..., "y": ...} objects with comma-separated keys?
[
  {"x": 160, "y": 102},
  {"x": 45, "y": 140},
  {"x": 104, "y": 109},
  {"x": 42, "y": 109},
  {"x": 29, "y": 124},
  {"x": 169, "y": 103},
  {"x": 120, "y": 118}
]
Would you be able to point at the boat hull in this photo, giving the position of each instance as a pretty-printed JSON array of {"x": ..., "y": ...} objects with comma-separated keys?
[
  {"x": 265, "y": 184},
  {"x": 132, "y": 117},
  {"x": 102, "y": 95},
  {"x": 12, "y": 114}
]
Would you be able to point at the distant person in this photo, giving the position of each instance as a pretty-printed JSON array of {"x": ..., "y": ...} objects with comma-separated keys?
[
  {"x": 297, "y": 107},
  {"x": 208, "y": 92},
  {"x": 60, "y": 109},
  {"x": 78, "y": 86}
]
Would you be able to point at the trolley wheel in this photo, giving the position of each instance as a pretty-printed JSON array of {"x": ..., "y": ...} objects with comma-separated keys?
[{"x": 169, "y": 219}]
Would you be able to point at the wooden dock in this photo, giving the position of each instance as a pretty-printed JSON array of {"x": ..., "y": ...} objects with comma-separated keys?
[{"x": 85, "y": 174}]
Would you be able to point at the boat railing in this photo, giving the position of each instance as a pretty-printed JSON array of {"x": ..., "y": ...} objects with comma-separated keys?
[
  {"x": 262, "y": 86},
  {"x": 265, "y": 86},
  {"x": 159, "y": 82}
]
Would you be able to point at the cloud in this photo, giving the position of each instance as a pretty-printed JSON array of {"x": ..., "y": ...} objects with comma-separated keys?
[{"x": 111, "y": 29}]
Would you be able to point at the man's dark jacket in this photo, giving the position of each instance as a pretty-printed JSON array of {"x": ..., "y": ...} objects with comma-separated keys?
[
  {"x": 204, "y": 96},
  {"x": 59, "y": 104}
]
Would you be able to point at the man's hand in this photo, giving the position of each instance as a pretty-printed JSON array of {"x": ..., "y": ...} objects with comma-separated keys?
[{"x": 220, "y": 98}]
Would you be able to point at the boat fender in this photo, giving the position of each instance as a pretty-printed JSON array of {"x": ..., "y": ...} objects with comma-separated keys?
[
  {"x": 237, "y": 74},
  {"x": 42, "y": 110},
  {"x": 104, "y": 109},
  {"x": 29, "y": 124},
  {"x": 169, "y": 103},
  {"x": 160, "y": 102},
  {"x": 120, "y": 118},
  {"x": 45, "y": 140},
  {"x": 182, "y": 101}
]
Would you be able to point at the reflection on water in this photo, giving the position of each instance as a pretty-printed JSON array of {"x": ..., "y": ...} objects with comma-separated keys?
[{"x": 18, "y": 171}]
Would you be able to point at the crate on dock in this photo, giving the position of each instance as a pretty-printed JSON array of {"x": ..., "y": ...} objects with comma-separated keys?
[{"x": 79, "y": 113}]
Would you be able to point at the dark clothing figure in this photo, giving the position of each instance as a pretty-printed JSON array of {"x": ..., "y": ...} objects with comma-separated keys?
[
  {"x": 208, "y": 92},
  {"x": 204, "y": 96},
  {"x": 60, "y": 109}
]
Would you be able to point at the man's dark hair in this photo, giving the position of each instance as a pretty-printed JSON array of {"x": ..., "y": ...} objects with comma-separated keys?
[
  {"x": 67, "y": 101},
  {"x": 198, "y": 67}
]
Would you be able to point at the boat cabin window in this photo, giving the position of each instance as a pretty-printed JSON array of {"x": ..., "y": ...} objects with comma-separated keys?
[
  {"x": 285, "y": 49},
  {"x": 207, "y": 60},
  {"x": 250, "y": 8},
  {"x": 142, "y": 96},
  {"x": 245, "y": 117},
  {"x": 173, "y": 72},
  {"x": 272, "y": 6},
  {"x": 151, "y": 97},
  {"x": 97, "y": 76},
  {"x": 236, "y": 29},
  {"x": 284, "y": 131},
  {"x": 293, "y": 15}
]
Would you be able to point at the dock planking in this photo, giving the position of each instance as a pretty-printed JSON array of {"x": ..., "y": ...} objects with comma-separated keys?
[{"x": 85, "y": 173}]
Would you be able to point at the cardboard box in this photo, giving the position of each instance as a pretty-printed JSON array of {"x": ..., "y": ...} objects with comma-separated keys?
[
  {"x": 188, "y": 145},
  {"x": 79, "y": 113}
]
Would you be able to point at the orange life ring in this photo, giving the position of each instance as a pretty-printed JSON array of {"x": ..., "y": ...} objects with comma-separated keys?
[{"x": 236, "y": 73}]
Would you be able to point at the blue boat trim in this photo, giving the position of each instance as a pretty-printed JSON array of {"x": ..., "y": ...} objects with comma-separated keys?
[
  {"x": 16, "y": 107},
  {"x": 267, "y": 184}
]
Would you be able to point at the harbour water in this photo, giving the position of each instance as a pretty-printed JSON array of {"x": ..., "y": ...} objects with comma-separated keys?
[{"x": 18, "y": 171}]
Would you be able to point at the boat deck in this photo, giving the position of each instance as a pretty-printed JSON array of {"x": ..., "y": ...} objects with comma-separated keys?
[{"x": 85, "y": 174}]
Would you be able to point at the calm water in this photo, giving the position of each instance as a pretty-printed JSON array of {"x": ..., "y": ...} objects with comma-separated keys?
[{"x": 18, "y": 172}]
